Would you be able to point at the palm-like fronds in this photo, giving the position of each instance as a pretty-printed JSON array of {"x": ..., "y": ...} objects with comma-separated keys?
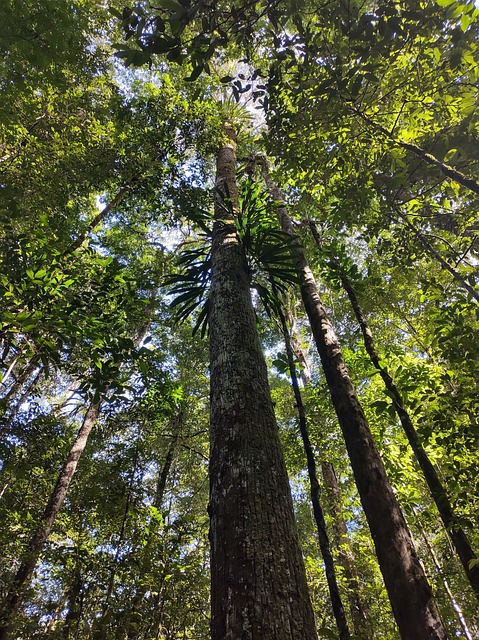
[
  {"x": 191, "y": 285},
  {"x": 269, "y": 253}
]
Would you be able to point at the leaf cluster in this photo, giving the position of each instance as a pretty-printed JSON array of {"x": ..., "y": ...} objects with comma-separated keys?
[{"x": 269, "y": 252}]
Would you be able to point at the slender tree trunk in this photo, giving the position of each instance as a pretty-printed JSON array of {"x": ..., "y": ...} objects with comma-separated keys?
[
  {"x": 409, "y": 592},
  {"x": 446, "y": 169},
  {"x": 11, "y": 366},
  {"x": 98, "y": 219},
  {"x": 438, "y": 491},
  {"x": 305, "y": 369},
  {"x": 324, "y": 545},
  {"x": 37, "y": 542},
  {"x": 135, "y": 615},
  {"x": 447, "y": 589},
  {"x": 74, "y": 604},
  {"x": 258, "y": 581},
  {"x": 165, "y": 472},
  {"x": 8, "y": 421},
  {"x": 360, "y": 614},
  {"x": 101, "y": 623},
  {"x": 16, "y": 593}
]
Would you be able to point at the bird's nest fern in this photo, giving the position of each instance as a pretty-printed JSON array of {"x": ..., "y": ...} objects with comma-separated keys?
[{"x": 269, "y": 252}]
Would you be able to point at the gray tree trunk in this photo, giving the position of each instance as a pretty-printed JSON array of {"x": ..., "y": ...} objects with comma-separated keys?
[
  {"x": 134, "y": 617},
  {"x": 438, "y": 492},
  {"x": 258, "y": 581},
  {"x": 411, "y": 597},
  {"x": 360, "y": 614},
  {"x": 37, "y": 542},
  {"x": 323, "y": 538},
  {"x": 447, "y": 589}
]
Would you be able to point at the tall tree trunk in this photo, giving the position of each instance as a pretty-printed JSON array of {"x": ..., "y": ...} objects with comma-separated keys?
[
  {"x": 360, "y": 614},
  {"x": 165, "y": 471},
  {"x": 411, "y": 597},
  {"x": 324, "y": 545},
  {"x": 258, "y": 581},
  {"x": 296, "y": 346},
  {"x": 456, "y": 533},
  {"x": 98, "y": 219},
  {"x": 100, "y": 626},
  {"x": 37, "y": 542},
  {"x": 447, "y": 589},
  {"x": 74, "y": 604},
  {"x": 134, "y": 616}
]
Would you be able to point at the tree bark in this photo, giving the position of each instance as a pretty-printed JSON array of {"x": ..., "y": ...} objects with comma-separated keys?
[
  {"x": 447, "y": 589},
  {"x": 411, "y": 597},
  {"x": 323, "y": 538},
  {"x": 437, "y": 489},
  {"x": 258, "y": 581},
  {"x": 37, "y": 542},
  {"x": 24, "y": 573},
  {"x": 359, "y": 612}
]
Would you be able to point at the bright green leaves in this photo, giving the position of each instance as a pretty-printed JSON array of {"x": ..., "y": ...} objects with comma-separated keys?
[
  {"x": 66, "y": 311},
  {"x": 268, "y": 251},
  {"x": 190, "y": 286}
]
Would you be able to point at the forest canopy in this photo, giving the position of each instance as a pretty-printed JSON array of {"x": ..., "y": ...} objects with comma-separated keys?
[{"x": 239, "y": 346}]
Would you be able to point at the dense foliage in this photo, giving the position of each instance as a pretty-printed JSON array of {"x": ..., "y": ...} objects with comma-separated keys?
[{"x": 109, "y": 125}]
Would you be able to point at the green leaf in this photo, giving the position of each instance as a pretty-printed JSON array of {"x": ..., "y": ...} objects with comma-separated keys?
[
  {"x": 450, "y": 155},
  {"x": 195, "y": 74},
  {"x": 465, "y": 22},
  {"x": 114, "y": 12},
  {"x": 171, "y": 5}
]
